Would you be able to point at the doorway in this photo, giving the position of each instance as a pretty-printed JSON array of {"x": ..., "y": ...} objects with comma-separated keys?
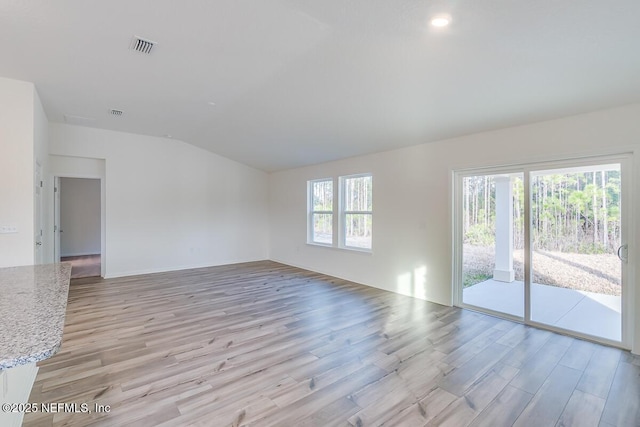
[
  {"x": 77, "y": 226},
  {"x": 545, "y": 244}
]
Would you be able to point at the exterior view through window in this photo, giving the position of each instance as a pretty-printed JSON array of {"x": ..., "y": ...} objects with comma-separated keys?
[
  {"x": 322, "y": 211},
  {"x": 357, "y": 211},
  {"x": 353, "y": 205},
  {"x": 576, "y": 244}
]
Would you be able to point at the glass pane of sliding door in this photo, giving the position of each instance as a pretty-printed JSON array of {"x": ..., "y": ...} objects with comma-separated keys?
[
  {"x": 492, "y": 208},
  {"x": 576, "y": 231}
]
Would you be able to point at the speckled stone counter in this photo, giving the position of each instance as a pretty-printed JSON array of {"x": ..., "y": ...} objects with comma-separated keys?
[{"x": 33, "y": 301}]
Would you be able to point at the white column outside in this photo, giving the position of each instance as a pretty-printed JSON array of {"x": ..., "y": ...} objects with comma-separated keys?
[{"x": 504, "y": 230}]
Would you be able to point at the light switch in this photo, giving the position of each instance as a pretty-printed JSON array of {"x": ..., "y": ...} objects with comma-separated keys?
[{"x": 8, "y": 229}]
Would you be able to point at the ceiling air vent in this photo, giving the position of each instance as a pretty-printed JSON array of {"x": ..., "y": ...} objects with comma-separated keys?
[
  {"x": 116, "y": 113},
  {"x": 142, "y": 45}
]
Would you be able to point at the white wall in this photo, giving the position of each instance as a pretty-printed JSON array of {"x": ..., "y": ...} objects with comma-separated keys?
[
  {"x": 412, "y": 226},
  {"x": 79, "y": 216},
  {"x": 76, "y": 167},
  {"x": 170, "y": 205},
  {"x": 17, "y": 171}
]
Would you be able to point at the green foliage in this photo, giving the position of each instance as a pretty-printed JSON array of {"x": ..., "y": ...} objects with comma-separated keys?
[
  {"x": 480, "y": 235},
  {"x": 471, "y": 278},
  {"x": 591, "y": 248},
  {"x": 613, "y": 213},
  {"x": 570, "y": 212},
  {"x": 322, "y": 196},
  {"x": 579, "y": 200}
]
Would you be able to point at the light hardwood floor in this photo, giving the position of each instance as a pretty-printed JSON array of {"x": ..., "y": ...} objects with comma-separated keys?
[
  {"x": 266, "y": 344},
  {"x": 83, "y": 266}
]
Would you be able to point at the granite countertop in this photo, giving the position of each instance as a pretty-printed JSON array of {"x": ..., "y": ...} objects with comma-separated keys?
[{"x": 33, "y": 302}]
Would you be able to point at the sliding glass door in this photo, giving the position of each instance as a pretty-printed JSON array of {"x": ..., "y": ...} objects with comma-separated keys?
[
  {"x": 493, "y": 243},
  {"x": 576, "y": 232},
  {"x": 545, "y": 244}
]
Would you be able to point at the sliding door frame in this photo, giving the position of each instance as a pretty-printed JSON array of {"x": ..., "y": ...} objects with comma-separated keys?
[
  {"x": 625, "y": 159},
  {"x": 458, "y": 176}
]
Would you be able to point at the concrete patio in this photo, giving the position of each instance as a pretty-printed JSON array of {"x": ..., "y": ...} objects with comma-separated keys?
[{"x": 586, "y": 312}]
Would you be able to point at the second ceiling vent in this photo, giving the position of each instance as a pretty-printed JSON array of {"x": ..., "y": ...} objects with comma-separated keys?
[{"x": 142, "y": 45}]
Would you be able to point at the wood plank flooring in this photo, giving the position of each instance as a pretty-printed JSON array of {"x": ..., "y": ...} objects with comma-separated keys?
[
  {"x": 264, "y": 344},
  {"x": 84, "y": 265}
]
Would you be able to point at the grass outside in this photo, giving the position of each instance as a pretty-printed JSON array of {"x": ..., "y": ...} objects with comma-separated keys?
[{"x": 470, "y": 278}]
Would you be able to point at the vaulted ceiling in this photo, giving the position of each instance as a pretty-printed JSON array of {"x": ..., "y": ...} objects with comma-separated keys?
[{"x": 277, "y": 84}]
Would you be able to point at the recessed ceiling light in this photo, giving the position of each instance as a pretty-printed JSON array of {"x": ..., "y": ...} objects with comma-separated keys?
[
  {"x": 168, "y": 135},
  {"x": 441, "y": 21},
  {"x": 211, "y": 103}
]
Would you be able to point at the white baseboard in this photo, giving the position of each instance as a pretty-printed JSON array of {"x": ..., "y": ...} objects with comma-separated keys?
[
  {"x": 117, "y": 274},
  {"x": 80, "y": 254}
]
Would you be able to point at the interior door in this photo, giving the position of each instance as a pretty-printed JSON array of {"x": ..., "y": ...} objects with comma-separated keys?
[
  {"x": 38, "y": 232},
  {"x": 56, "y": 219}
]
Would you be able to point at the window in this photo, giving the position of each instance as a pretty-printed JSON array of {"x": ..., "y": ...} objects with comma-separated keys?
[
  {"x": 356, "y": 211},
  {"x": 321, "y": 211},
  {"x": 354, "y": 206}
]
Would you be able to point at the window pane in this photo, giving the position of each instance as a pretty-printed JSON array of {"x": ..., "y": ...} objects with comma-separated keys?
[
  {"x": 322, "y": 196},
  {"x": 357, "y": 194},
  {"x": 357, "y": 230},
  {"x": 323, "y": 228}
]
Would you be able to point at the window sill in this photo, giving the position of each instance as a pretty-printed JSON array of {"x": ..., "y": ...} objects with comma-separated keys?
[{"x": 342, "y": 248}]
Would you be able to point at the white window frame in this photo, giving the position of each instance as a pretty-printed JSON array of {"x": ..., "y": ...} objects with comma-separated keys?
[
  {"x": 312, "y": 212},
  {"x": 338, "y": 236},
  {"x": 343, "y": 213}
]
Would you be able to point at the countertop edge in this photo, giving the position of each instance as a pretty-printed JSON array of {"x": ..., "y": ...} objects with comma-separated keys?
[
  {"x": 55, "y": 278},
  {"x": 31, "y": 358}
]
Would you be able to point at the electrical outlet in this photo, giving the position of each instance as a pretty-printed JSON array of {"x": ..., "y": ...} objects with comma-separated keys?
[{"x": 8, "y": 229}]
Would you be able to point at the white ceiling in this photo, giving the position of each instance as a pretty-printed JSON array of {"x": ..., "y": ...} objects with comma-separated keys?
[{"x": 298, "y": 82}]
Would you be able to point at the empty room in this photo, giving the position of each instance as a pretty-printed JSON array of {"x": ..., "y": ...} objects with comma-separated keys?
[{"x": 336, "y": 213}]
